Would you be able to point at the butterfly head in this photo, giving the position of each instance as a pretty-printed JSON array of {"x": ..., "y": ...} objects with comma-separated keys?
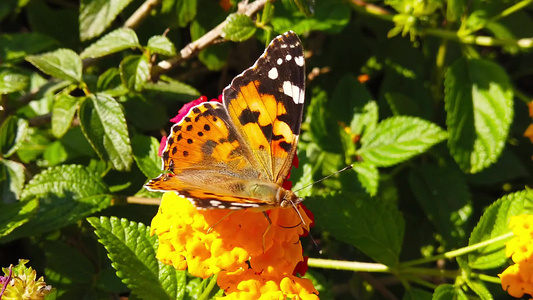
[{"x": 287, "y": 198}]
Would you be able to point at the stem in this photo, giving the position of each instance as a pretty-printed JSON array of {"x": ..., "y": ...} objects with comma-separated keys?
[
  {"x": 372, "y": 9},
  {"x": 142, "y": 200},
  {"x": 420, "y": 282},
  {"x": 348, "y": 265},
  {"x": 523, "y": 97},
  {"x": 458, "y": 252},
  {"x": 487, "y": 278},
  {"x": 477, "y": 40},
  {"x": 141, "y": 13},
  {"x": 431, "y": 272}
]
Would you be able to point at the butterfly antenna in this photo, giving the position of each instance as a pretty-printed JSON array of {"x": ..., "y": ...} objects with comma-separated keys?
[
  {"x": 309, "y": 232},
  {"x": 348, "y": 167}
]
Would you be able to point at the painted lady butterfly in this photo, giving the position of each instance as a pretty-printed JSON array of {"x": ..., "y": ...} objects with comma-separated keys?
[{"x": 237, "y": 154}]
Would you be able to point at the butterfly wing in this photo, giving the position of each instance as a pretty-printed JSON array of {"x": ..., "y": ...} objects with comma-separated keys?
[
  {"x": 265, "y": 103},
  {"x": 236, "y": 155},
  {"x": 205, "y": 161}
]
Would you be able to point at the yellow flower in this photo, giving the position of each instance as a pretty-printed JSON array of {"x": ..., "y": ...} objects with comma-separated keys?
[
  {"x": 253, "y": 260},
  {"x": 246, "y": 285},
  {"x": 517, "y": 279},
  {"x": 20, "y": 282}
]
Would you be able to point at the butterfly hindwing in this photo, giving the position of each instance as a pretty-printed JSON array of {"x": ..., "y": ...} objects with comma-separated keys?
[{"x": 266, "y": 102}]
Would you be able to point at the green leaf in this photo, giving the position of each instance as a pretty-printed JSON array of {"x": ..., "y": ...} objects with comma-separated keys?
[
  {"x": 373, "y": 227},
  {"x": 186, "y": 10},
  {"x": 12, "y": 80},
  {"x": 15, "y": 214},
  {"x": 33, "y": 145},
  {"x": 68, "y": 270},
  {"x": 57, "y": 22},
  {"x": 448, "y": 292},
  {"x": 215, "y": 56},
  {"x": 494, "y": 223},
  {"x": 178, "y": 91},
  {"x": 115, "y": 41},
  {"x": 134, "y": 71},
  {"x": 368, "y": 176},
  {"x": 97, "y": 15},
  {"x": 479, "y": 106},
  {"x": 479, "y": 288},
  {"x": 111, "y": 83},
  {"x": 66, "y": 194},
  {"x": 444, "y": 196},
  {"x": 365, "y": 119},
  {"x": 12, "y": 132},
  {"x": 330, "y": 16},
  {"x": 239, "y": 28},
  {"x": 455, "y": 9},
  {"x": 12, "y": 180},
  {"x": 402, "y": 105},
  {"x": 144, "y": 114},
  {"x": 133, "y": 254},
  {"x": 16, "y": 46},
  {"x": 62, "y": 63},
  {"x": 320, "y": 123},
  {"x": 145, "y": 150},
  {"x": 307, "y": 7},
  {"x": 506, "y": 169},
  {"x": 63, "y": 111},
  {"x": 160, "y": 44},
  {"x": 397, "y": 139},
  {"x": 104, "y": 125},
  {"x": 416, "y": 294}
]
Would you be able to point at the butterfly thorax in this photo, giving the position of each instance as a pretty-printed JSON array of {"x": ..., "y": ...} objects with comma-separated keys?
[{"x": 273, "y": 194}]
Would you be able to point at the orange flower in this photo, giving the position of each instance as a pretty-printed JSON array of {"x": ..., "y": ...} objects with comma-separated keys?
[
  {"x": 517, "y": 279},
  {"x": 248, "y": 285},
  {"x": 208, "y": 242},
  {"x": 255, "y": 259}
]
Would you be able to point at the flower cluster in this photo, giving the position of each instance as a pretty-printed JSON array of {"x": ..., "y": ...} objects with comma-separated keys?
[
  {"x": 517, "y": 279},
  {"x": 252, "y": 257},
  {"x": 19, "y": 282}
]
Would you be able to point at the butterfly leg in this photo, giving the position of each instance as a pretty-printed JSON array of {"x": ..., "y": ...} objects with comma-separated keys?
[
  {"x": 227, "y": 215},
  {"x": 268, "y": 228}
]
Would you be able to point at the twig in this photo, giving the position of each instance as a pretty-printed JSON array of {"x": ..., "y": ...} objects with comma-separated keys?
[
  {"x": 141, "y": 13},
  {"x": 143, "y": 200},
  {"x": 372, "y": 9},
  {"x": 201, "y": 43}
]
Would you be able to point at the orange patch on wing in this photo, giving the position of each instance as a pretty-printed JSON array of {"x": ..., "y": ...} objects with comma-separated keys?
[{"x": 198, "y": 140}]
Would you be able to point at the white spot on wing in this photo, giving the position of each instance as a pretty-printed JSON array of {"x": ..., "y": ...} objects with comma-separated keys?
[
  {"x": 273, "y": 73},
  {"x": 288, "y": 57},
  {"x": 293, "y": 91},
  {"x": 215, "y": 202},
  {"x": 299, "y": 61},
  {"x": 279, "y": 61}
]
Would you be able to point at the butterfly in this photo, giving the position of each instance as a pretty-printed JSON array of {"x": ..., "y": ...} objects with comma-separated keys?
[{"x": 237, "y": 154}]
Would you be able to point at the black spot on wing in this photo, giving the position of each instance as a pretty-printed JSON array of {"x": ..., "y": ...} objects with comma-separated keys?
[
  {"x": 285, "y": 146},
  {"x": 248, "y": 116},
  {"x": 267, "y": 131}
]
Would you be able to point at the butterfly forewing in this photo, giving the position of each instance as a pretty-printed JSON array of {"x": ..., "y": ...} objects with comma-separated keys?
[{"x": 266, "y": 102}]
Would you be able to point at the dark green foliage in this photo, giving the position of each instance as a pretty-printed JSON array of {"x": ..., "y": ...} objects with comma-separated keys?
[{"x": 426, "y": 99}]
